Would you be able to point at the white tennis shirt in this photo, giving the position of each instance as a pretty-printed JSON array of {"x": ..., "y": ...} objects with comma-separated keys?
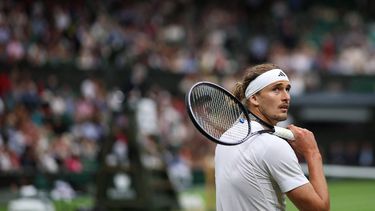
[{"x": 256, "y": 174}]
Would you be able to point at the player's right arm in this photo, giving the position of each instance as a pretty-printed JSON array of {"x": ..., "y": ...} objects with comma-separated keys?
[{"x": 313, "y": 195}]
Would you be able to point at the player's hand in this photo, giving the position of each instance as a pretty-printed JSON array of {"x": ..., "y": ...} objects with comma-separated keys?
[{"x": 304, "y": 143}]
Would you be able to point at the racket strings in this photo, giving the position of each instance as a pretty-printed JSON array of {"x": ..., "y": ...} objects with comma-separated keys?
[
  {"x": 217, "y": 113},
  {"x": 205, "y": 111}
]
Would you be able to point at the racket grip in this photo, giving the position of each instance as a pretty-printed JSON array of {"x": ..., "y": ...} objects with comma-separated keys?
[{"x": 284, "y": 133}]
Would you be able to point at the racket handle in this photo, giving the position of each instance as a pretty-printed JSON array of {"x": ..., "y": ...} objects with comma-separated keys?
[{"x": 284, "y": 133}]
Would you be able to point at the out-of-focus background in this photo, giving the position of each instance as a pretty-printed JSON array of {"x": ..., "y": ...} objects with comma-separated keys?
[{"x": 92, "y": 113}]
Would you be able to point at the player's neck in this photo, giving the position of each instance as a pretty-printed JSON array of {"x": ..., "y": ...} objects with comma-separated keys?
[{"x": 258, "y": 117}]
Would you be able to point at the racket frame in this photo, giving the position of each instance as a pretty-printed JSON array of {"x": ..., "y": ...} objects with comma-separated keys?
[{"x": 199, "y": 127}]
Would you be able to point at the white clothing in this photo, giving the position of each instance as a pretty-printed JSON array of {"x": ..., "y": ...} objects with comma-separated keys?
[{"x": 256, "y": 174}]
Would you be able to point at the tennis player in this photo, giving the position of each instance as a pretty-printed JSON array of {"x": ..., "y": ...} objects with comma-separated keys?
[{"x": 257, "y": 174}]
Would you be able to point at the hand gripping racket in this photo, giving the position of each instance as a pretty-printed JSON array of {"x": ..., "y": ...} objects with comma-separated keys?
[{"x": 221, "y": 117}]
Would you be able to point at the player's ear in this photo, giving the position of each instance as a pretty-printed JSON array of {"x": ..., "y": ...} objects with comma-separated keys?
[{"x": 254, "y": 100}]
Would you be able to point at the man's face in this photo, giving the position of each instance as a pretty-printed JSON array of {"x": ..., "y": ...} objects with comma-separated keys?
[{"x": 273, "y": 102}]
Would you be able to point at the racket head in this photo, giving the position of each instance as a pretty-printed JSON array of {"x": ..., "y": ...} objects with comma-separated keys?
[{"x": 217, "y": 114}]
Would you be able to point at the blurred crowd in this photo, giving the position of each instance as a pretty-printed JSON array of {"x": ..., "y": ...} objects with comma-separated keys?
[
  {"x": 353, "y": 153},
  {"x": 47, "y": 125},
  {"x": 188, "y": 36}
]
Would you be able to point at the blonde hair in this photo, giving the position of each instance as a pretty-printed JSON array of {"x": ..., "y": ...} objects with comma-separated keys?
[{"x": 250, "y": 74}]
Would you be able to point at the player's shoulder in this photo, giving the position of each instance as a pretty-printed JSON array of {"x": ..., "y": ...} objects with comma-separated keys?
[
  {"x": 274, "y": 141},
  {"x": 272, "y": 137},
  {"x": 268, "y": 138},
  {"x": 276, "y": 149}
]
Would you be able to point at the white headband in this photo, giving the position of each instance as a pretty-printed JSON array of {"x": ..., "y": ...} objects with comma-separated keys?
[{"x": 264, "y": 80}]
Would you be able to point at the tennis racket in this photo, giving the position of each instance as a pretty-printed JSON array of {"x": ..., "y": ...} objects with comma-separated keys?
[{"x": 221, "y": 117}]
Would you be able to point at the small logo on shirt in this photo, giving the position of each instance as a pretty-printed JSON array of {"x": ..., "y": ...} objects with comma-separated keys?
[
  {"x": 242, "y": 120},
  {"x": 281, "y": 74}
]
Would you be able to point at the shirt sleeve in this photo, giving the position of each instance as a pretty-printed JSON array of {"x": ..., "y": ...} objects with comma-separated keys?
[{"x": 282, "y": 163}]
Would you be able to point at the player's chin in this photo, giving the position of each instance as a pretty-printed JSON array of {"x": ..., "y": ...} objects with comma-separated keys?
[{"x": 282, "y": 116}]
